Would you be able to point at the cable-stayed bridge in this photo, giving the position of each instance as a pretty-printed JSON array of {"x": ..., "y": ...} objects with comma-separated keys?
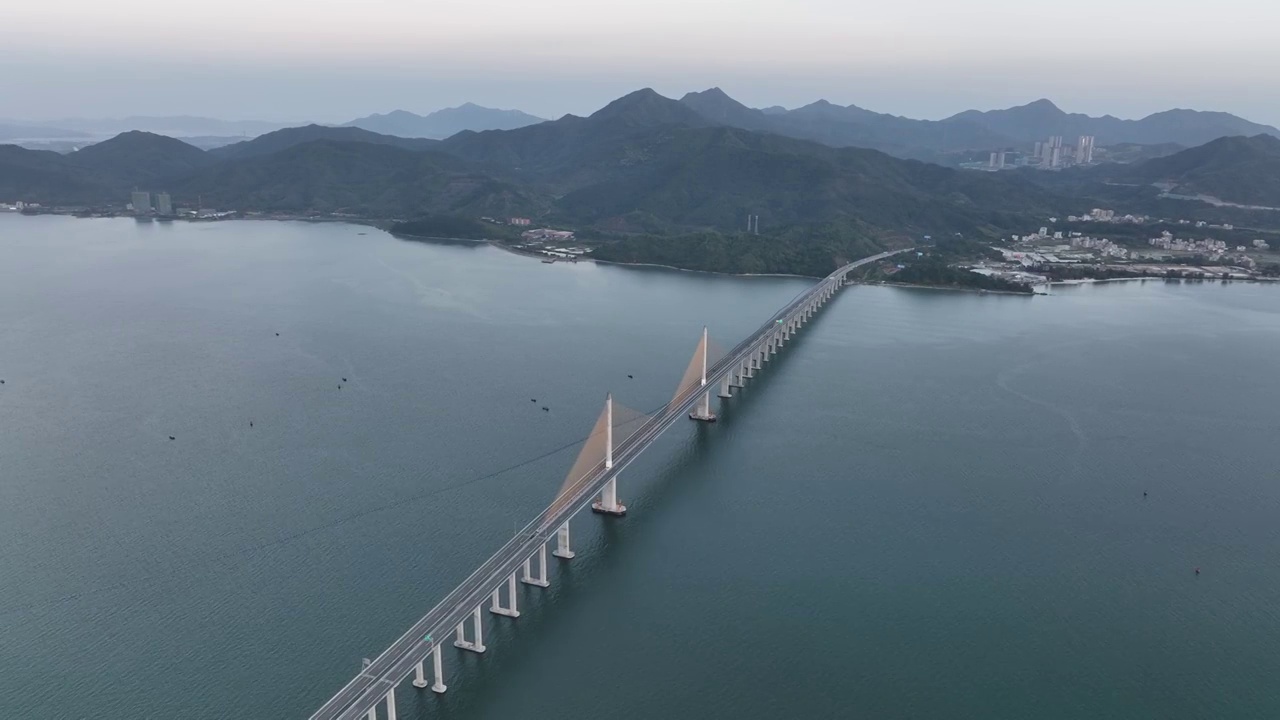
[{"x": 617, "y": 439}]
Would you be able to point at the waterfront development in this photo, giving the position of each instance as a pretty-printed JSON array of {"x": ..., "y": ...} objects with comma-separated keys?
[{"x": 932, "y": 505}]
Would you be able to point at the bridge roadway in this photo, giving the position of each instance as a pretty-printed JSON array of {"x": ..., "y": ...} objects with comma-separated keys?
[{"x": 397, "y": 662}]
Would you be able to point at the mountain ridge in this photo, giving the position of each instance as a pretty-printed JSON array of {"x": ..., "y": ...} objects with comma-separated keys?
[
  {"x": 644, "y": 166},
  {"x": 288, "y": 137},
  {"x": 1041, "y": 118},
  {"x": 968, "y": 131},
  {"x": 444, "y": 123},
  {"x": 1236, "y": 169}
]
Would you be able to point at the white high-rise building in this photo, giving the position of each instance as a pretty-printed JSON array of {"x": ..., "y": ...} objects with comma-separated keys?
[
  {"x": 164, "y": 205},
  {"x": 1084, "y": 150},
  {"x": 1051, "y": 152}
]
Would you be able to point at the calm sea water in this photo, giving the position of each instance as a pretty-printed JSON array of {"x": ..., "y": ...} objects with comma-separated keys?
[{"x": 931, "y": 506}]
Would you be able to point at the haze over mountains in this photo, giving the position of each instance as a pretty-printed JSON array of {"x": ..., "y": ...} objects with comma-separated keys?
[
  {"x": 971, "y": 130},
  {"x": 443, "y": 123},
  {"x": 173, "y": 126},
  {"x": 642, "y": 166},
  {"x": 821, "y": 121}
]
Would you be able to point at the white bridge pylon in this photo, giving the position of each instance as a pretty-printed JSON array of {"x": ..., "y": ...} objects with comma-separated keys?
[
  {"x": 615, "y": 425},
  {"x": 608, "y": 503},
  {"x": 695, "y": 378}
]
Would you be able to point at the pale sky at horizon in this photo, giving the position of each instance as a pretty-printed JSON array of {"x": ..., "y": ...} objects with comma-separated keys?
[{"x": 330, "y": 62}]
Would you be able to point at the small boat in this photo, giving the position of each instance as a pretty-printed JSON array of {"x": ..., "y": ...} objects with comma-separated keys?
[{"x": 549, "y": 261}]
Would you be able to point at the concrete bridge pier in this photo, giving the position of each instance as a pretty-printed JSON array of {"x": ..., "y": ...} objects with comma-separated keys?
[
  {"x": 541, "y": 579},
  {"x": 496, "y": 608},
  {"x": 702, "y": 412},
  {"x": 608, "y": 503},
  {"x": 562, "y": 542},
  {"x": 724, "y": 387},
  {"x": 462, "y": 643},
  {"x": 420, "y": 680},
  {"x": 738, "y": 376},
  {"x": 391, "y": 707}
]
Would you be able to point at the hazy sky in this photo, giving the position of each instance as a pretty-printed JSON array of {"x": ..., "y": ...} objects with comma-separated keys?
[{"x": 332, "y": 60}]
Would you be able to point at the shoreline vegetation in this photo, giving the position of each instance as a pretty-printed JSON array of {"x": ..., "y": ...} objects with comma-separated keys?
[
  {"x": 537, "y": 256},
  {"x": 933, "y": 266},
  {"x": 795, "y": 253},
  {"x": 930, "y": 270}
]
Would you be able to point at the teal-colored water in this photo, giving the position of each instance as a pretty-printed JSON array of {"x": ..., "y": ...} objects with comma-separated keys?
[{"x": 930, "y": 506}]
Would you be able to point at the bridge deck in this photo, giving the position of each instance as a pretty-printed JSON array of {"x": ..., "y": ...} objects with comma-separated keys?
[{"x": 396, "y": 663}]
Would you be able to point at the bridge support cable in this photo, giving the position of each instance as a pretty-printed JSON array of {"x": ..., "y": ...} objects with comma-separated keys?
[
  {"x": 511, "y": 610},
  {"x": 541, "y": 578},
  {"x": 477, "y": 645}
]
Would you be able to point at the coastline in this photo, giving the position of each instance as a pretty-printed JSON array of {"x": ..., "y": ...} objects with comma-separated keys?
[
  {"x": 1090, "y": 281},
  {"x": 538, "y": 256},
  {"x": 385, "y": 225},
  {"x": 705, "y": 272},
  {"x": 979, "y": 291}
]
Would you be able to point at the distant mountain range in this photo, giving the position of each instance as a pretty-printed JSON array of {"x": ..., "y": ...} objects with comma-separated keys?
[
  {"x": 444, "y": 123},
  {"x": 932, "y": 140},
  {"x": 25, "y": 131},
  {"x": 644, "y": 166},
  {"x": 1040, "y": 119},
  {"x": 173, "y": 126},
  {"x": 948, "y": 142},
  {"x": 849, "y": 126}
]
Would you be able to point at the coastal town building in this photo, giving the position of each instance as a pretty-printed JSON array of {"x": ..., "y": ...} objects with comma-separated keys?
[
  {"x": 140, "y": 201},
  {"x": 545, "y": 234}
]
